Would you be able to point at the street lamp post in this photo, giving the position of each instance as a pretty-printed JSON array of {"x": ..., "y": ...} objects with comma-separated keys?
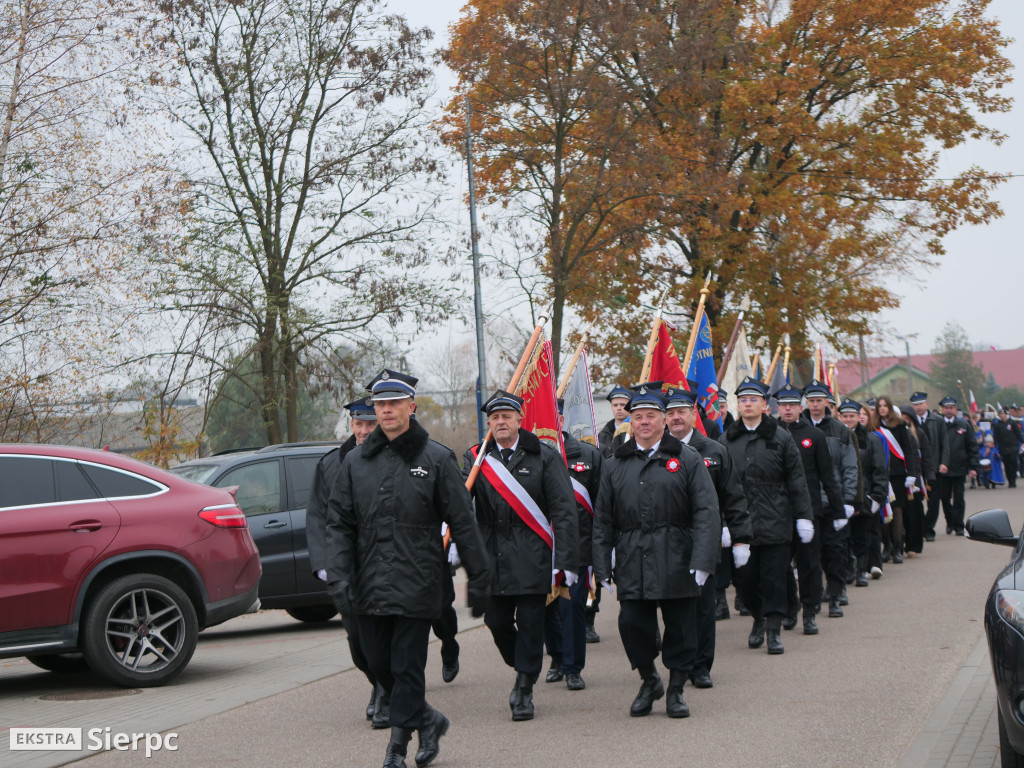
[{"x": 910, "y": 373}]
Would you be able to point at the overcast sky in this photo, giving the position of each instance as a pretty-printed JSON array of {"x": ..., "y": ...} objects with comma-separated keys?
[{"x": 980, "y": 281}]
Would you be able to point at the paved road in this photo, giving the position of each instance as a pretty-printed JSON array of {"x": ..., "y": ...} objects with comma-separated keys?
[{"x": 900, "y": 681}]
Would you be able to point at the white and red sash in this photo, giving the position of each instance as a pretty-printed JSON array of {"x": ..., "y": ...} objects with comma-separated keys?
[
  {"x": 893, "y": 444},
  {"x": 515, "y": 496},
  {"x": 582, "y": 495}
]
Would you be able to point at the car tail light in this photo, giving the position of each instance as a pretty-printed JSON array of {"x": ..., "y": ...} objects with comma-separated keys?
[
  {"x": 1010, "y": 605},
  {"x": 224, "y": 516}
]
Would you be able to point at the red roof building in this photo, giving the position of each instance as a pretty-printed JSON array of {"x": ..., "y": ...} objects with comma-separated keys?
[{"x": 1005, "y": 365}]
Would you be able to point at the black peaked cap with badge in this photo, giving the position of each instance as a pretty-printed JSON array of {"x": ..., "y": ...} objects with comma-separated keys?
[
  {"x": 502, "y": 401},
  {"x": 751, "y": 386},
  {"x": 392, "y": 385},
  {"x": 646, "y": 395},
  {"x": 362, "y": 409}
]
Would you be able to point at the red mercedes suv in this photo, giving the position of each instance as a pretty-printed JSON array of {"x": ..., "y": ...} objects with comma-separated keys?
[{"x": 113, "y": 564}]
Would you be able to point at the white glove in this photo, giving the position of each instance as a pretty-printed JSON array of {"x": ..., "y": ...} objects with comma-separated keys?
[
  {"x": 322, "y": 575},
  {"x": 607, "y": 584},
  {"x": 909, "y": 482},
  {"x": 726, "y": 538},
  {"x": 740, "y": 554},
  {"x": 805, "y": 529},
  {"x": 875, "y": 506},
  {"x": 848, "y": 509},
  {"x": 570, "y": 578},
  {"x": 453, "y": 556},
  {"x": 699, "y": 576},
  {"x": 838, "y": 524}
]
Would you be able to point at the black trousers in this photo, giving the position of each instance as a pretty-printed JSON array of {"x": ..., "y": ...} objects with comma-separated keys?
[
  {"x": 808, "y": 567},
  {"x": 706, "y": 623},
  {"x": 354, "y": 648},
  {"x": 951, "y": 491},
  {"x": 763, "y": 579},
  {"x": 517, "y": 626},
  {"x": 396, "y": 647},
  {"x": 446, "y": 627},
  {"x": 931, "y": 516},
  {"x": 638, "y": 627},
  {"x": 866, "y": 539},
  {"x": 723, "y": 572},
  {"x": 834, "y": 559},
  {"x": 1010, "y": 467}
]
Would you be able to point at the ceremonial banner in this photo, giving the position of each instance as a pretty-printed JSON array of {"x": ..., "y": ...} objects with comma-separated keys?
[
  {"x": 780, "y": 379},
  {"x": 738, "y": 369},
  {"x": 702, "y": 370},
  {"x": 580, "y": 421},
  {"x": 665, "y": 365},
  {"x": 540, "y": 407}
]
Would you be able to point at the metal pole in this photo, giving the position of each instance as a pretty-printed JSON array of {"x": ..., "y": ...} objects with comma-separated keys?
[
  {"x": 910, "y": 372},
  {"x": 481, "y": 351}
]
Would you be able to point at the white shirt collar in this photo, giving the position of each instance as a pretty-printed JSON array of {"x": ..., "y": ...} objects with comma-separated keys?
[{"x": 652, "y": 450}]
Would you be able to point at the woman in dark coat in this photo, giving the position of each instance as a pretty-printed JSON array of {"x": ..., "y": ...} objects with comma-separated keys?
[
  {"x": 904, "y": 467},
  {"x": 913, "y": 515}
]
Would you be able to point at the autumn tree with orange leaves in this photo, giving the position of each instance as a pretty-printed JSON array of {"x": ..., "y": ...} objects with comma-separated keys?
[{"x": 790, "y": 148}]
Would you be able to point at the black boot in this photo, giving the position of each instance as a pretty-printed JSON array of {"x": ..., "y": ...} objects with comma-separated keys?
[
  {"x": 522, "y": 707},
  {"x": 810, "y": 625},
  {"x": 721, "y": 605},
  {"x": 592, "y": 636},
  {"x": 861, "y": 580},
  {"x": 554, "y": 674},
  {"x": 372, "y": 706},
  {"x": 843, "y": 597},
  {"x": 886, "y": 553},
  {"x": 674, "y": 704},
  {"x": 835, "y": 610},
  {"x": 756, "y": 639},
  {"x": 651, "y": 689},
  {"x": 773, "y": 632},
  {"x": 397, "y": 747},
  {"x": 789, "y": 620},
  {"x": 430, "y": 734},
  {"x": 897, "y": 553},
  {"x": 382, "y": 710}
]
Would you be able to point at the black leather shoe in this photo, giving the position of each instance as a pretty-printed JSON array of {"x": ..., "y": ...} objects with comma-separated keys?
[
  {"x": 843, "y": 597},
  {"x": 574, "y": 681},
  {"x": 382, "y": 712},
  {"x": 449, "y": 671},
  {"x": 897, "y": 558},
  {"x": 592, "y": 636},
  {"x": 959, "y": 533},
  {"x": 773, "y": 634},
  {"x": 949, "y": 529},
  {"x": 862, "y": 579},
  {"x": 651, "y": 689},
  {"x": 397, "y": 748},
  {"x": 701, "y": 679},
  {"x": 674, "y": 704},
  {"x": 721, "y": 606},
  {"x": 929, "y": 537},
  {"x": 835, "y": 611},
  {"x": 372, "y": 705},
  {"x": 522, "y": 708},
  {"x": 429, "y": 737},
  {"x": 789, "y": 620},
  {"x": 756, "y": 639},
  {"x": 810, "y": 625},
  {"x": 740, "y": 606},
  {"x": 554, "y": 675}
]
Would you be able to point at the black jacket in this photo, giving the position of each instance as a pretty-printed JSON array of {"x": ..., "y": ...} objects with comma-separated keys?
[
  {"x": 961, "y": 449},
  {"x": 732, "y": 504},
  {"x": 1006, "y": 437},
  {"x": 933, "y": 428},
  {"x": 324, "y": 477},
  {"x": 819, "y": 471},
  {"x": 660, "y": 515},
  {"x": 845, "y": 457},
  {"x": 872, "y": 461},
  {"x": 584, "y": 461},
  {"x": 773, "y": 480},
  {"x": 384, "y": 525},
  {"x": 605, "y": 436},
  {"x": 522, "y": 560}
]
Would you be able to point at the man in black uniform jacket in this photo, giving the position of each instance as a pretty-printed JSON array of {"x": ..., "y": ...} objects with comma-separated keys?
[
  {"x": 960, "y": 459},
  {"x": 658, "y": 510},
  {"x": 363, "y": 422},
  {"x": 681, "y": 418},
  {"x": 526, "y": 510},
  {"x": 931, "y": 423},
  {"x": 1008, "y": 440},
  {"x": 619, "y": 398},
  {"x": 386, "y": 559}
]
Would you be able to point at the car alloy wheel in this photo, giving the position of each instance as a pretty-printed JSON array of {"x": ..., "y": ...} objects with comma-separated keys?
[{"x": 140, "y": 630}]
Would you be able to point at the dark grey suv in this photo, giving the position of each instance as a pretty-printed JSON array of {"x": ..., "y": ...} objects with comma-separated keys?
[{"x": 273, "y": 486}]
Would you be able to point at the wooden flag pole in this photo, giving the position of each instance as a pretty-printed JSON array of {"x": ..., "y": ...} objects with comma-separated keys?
[
  {"x": 513, "y": 383},
  {"x": 698, "y": 316},
  {"x": 727, "y": 355},
  {"x": 645, "y": 371},
  {"x": 785, "y": 360},
  {"x": 775, "y": 361},
  {"x": 572, "y": 364},
  {"x": 832, "y": 381}
]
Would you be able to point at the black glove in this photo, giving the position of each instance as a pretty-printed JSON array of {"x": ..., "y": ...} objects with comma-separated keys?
[
  {"x": 478, "y": 595},
  {"x": 341, "y": 594}
]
